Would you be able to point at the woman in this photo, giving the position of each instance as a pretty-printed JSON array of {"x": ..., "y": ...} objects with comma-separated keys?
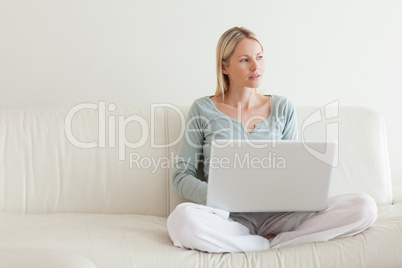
[{"x": 237, "y": 111}]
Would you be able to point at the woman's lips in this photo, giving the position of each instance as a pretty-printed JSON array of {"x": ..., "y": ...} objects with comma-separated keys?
[{"x": 255, "y": 76}]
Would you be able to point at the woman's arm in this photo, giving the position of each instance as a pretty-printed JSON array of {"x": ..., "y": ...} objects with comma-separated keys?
[
  {"x": 290, "y": 130},
  {"x": 185, "y": 181}
]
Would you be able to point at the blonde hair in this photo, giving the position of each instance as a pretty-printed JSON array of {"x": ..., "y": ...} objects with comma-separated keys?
[{"x": 224, "y": 51}]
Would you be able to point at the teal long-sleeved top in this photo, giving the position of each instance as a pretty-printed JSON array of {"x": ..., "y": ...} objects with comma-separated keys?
[{"x": 206, "y": 123}]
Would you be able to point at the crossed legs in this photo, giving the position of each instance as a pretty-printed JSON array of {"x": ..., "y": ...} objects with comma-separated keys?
[{"x": 208, "y": 229}]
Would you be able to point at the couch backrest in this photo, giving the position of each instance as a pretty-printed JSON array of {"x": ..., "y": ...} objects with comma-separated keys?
[
  {"x": 45, "y": 169},
  {"x": 55, "y": 160}
]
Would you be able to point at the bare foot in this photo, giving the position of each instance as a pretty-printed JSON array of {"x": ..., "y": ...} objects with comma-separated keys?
[{"x": 269, "y": 236}]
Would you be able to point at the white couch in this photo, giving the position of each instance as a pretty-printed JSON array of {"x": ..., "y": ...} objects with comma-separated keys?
[{"x": 62, "y": 205}]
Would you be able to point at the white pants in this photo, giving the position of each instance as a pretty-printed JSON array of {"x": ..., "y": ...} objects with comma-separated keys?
[{"x": 208, "y": 229}]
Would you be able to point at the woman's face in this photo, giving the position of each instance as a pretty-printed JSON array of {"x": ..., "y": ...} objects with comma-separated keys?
[{"x": 246, "y": 65}]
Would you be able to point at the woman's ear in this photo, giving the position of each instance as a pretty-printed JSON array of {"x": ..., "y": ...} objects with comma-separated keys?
[{"x": 224, "y": 70}]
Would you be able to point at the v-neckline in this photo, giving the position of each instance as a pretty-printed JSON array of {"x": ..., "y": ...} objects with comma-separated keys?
[{"x": 240, "y": 122}]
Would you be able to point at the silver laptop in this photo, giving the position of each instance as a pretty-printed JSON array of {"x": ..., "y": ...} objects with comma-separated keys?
[{"x": 270, "y": 176}]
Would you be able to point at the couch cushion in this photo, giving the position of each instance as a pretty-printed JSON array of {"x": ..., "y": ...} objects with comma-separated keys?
[
  {"x": 44, "y": 167},
  {"x": 143, "y": 241},
  {"x": 43, "y": 258},
  {"x": 363, "y": 164}
]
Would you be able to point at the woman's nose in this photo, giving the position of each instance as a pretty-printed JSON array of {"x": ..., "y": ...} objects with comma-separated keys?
[{"x": 254, "y": 65}]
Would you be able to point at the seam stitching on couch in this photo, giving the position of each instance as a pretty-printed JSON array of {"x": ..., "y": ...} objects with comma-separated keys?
[
  {"x": 387, "y": 168},
  {"x": 167, "y": 153}
]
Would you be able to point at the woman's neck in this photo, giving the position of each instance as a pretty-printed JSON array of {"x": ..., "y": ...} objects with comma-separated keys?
[{"x": 245, "y": 98}]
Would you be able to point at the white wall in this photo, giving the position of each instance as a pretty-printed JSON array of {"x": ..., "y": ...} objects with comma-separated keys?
[{"x": 132, "y": 52}]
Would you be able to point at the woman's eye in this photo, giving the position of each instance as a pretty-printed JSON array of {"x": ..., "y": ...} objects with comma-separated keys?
[
  {"x": 244, "y": 60},
  {"x": 259, "y": 57}
]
